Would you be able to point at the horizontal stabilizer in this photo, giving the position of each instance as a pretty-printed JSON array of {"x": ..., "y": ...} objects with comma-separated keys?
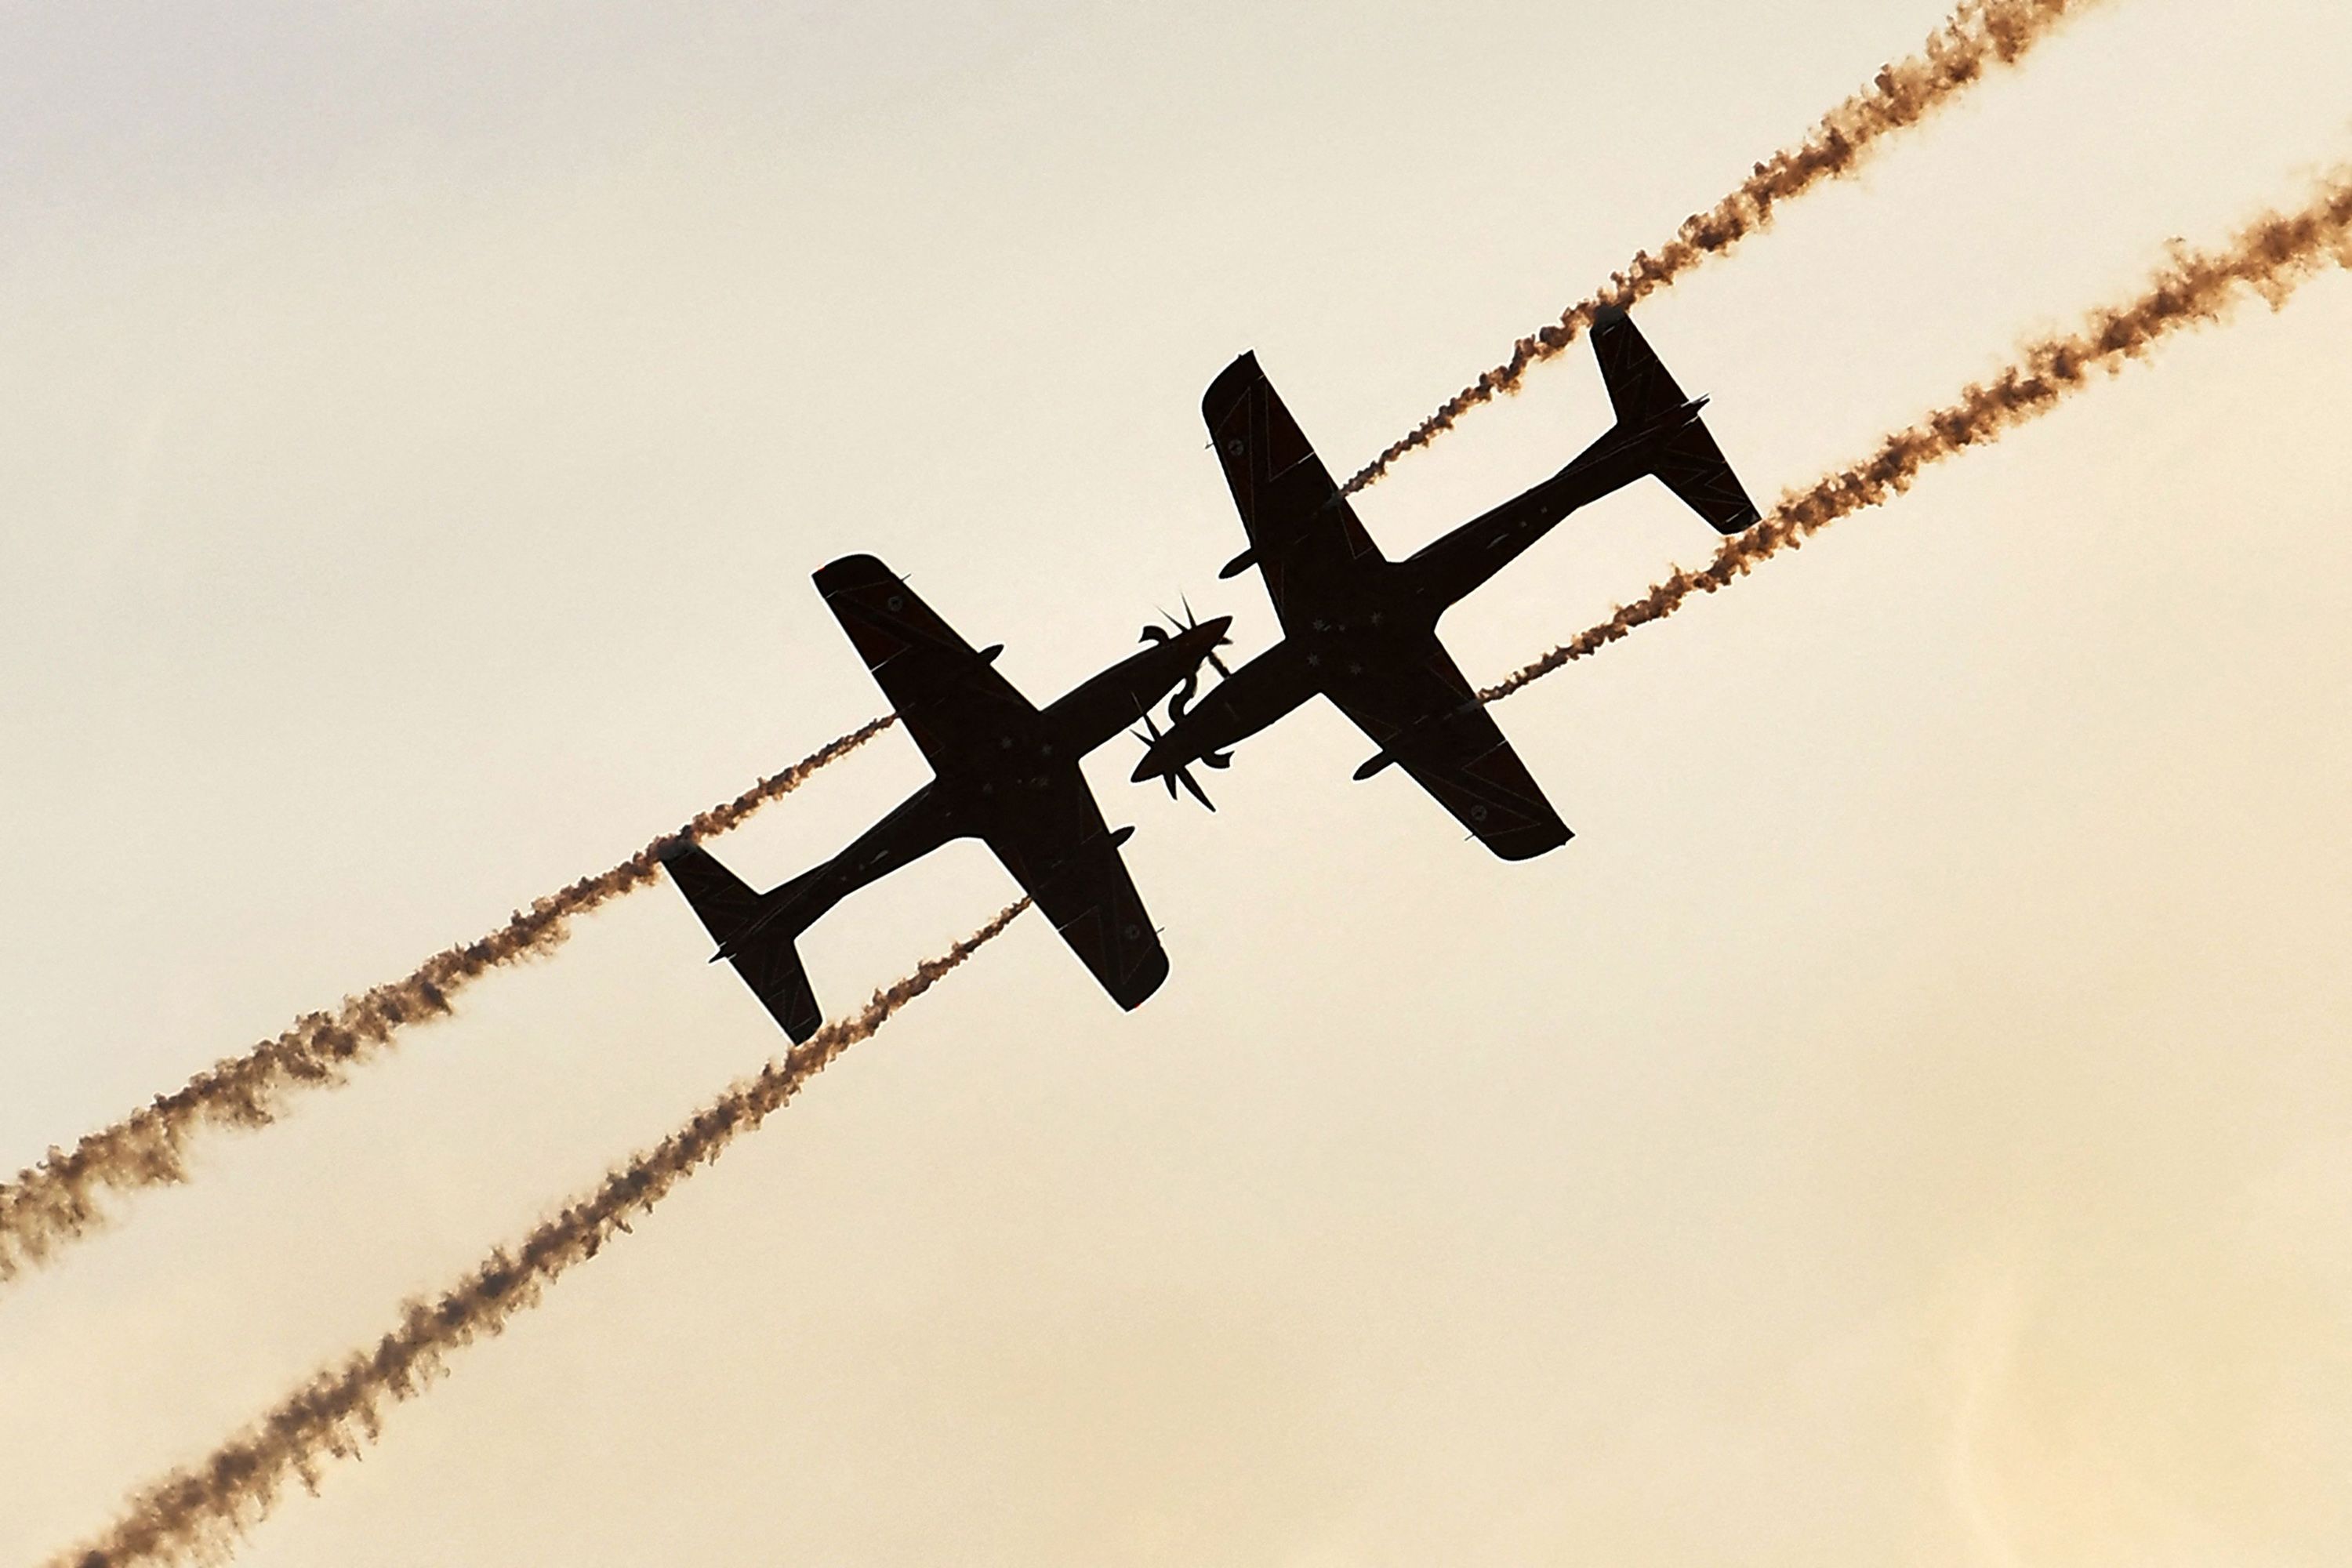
[
  {"x": 1681, "y": 453},
  {"x": 719, "y": 897},
  {"x": 1693, "y": 467},
  {"x": 761, "y": 950}
]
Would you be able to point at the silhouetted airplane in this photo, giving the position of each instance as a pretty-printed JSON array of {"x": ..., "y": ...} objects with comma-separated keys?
[
  {"x": 1362, "y": 629},
  {"x": 1006, "y": 773}
]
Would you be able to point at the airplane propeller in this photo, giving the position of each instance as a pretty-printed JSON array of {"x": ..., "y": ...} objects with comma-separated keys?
[
  {"x": 1191, "y": 683},
  {"x": 1183, "y": 699},
  {"x": 1190, "y": 623},
  {"x": 1150, "y": 737}
]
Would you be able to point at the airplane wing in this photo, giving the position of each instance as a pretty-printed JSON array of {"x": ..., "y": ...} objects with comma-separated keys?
[
  {"x": 1069, "y": 863},
  {"x": 1429, "y": 721},
  {"x": 1302, "y": 531},
  {"x": 944, "y": 690}
]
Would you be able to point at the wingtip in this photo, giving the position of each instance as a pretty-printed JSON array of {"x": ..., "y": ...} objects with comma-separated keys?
[
  {"x": 1139, "y": 987},
  {"x": 857, "y": 571},
  {"x": 1228, "y": 388},
  {"x": 1528, "y": 844}
]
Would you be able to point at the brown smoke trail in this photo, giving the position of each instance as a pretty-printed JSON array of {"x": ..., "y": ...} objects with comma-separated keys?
[
  {"x": 1980, "y": 34},
  {"x": 198, "y": 1512},
  {"x": 2269, "y": 259},
  {"x": 57, "y": 1202}
]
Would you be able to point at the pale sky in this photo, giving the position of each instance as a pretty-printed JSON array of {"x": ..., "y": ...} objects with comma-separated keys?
[{"x": 1910, "y": 1123}]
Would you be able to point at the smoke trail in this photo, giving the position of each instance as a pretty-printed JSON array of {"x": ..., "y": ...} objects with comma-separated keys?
[
  {"x": 199, "y": 1510},
  {"x": 56, "y": 1202},
  {"x": 1980, "y": 34},
  {"x": 2268, "y": 259}
]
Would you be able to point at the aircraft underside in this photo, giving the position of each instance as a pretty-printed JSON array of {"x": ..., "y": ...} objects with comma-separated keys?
[
  {"x": 1007, "y": 774},
  {"x": 1361, "y": 629}
]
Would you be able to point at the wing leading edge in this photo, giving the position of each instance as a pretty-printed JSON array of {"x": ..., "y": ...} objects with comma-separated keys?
[
  {"x": 1302, "y": 531},
  {"x": 943, "y": 689},
  {"x": 1428, "y": 722}
]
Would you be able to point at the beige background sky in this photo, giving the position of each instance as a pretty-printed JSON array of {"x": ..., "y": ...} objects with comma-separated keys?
[{"x": 1911, "y": 1123}]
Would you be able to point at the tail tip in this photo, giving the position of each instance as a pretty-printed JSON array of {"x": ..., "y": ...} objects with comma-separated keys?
[
  {"x": 684, "y": 844},
  {"x": 1747, "y": 520}
]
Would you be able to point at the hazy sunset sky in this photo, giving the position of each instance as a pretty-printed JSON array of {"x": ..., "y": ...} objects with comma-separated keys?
[{"x": 1910, "y": 1124}]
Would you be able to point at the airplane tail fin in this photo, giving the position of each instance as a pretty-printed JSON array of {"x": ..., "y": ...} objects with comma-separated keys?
[
  {"x": 1648, "y": 405},
  {"x": 755, "y": 933}
]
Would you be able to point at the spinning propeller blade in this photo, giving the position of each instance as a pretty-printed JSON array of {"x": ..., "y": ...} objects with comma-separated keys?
[
  {"x": 1191, "y": 621},
  {"x": 1151, "y": 738},
  {"x": 1190, "y": 784}
]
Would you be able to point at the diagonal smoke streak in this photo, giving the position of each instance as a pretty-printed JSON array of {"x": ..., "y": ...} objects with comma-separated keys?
[
  {"x": 1979, "y": 34},
  {"x": 57, "y": 1202},
  {"x": 199, "y": 1512},
  {"x": 2268, "y": 259}
]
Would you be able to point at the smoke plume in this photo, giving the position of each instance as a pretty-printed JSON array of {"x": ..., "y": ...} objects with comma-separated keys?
[
  {"x": 2268, "y": 260},
  {"x": 1979, "y": 34},
  {"x": 197, "y": 1512},
  {"x": 57, "y": 1202}
]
